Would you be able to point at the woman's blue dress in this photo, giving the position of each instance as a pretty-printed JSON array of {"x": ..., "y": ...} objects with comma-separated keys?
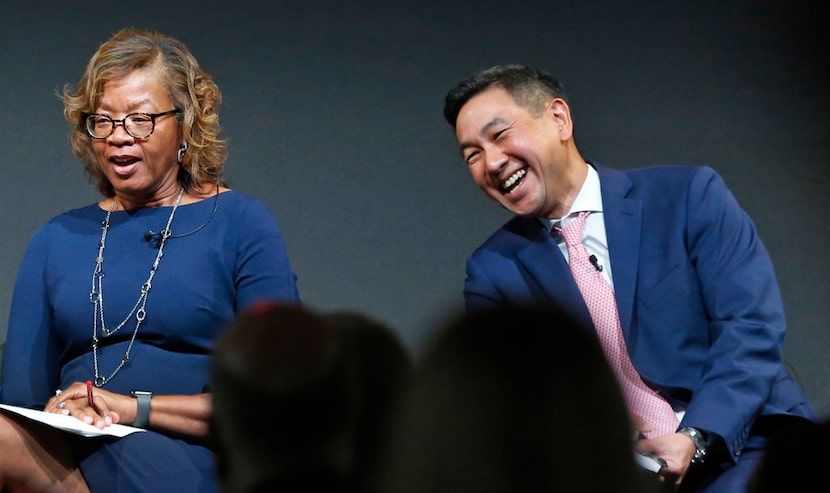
[{"x": 226, "y": 253}]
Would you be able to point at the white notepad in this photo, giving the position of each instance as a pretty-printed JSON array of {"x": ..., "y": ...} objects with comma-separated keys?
[{"x": 71, "y": 423}]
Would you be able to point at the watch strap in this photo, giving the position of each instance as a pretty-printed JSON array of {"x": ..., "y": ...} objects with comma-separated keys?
[
  {"x": 701, "y": 444},
  {"x": 142, "y": 416}
]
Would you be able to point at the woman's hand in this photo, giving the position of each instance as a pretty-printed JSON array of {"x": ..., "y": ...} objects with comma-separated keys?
[
  {"x": 74, "y": 401},
  {"x": 182, "y": 414}
]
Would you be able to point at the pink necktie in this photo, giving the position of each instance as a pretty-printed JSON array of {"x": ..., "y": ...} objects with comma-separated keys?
[{"x": 640, "y": 399}]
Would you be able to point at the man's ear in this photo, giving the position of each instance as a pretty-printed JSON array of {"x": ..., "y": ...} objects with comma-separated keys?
[{"x": 560, "y": 114}]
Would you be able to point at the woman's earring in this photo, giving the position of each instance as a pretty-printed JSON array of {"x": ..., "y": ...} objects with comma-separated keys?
[{"x": 182, "y": 150}]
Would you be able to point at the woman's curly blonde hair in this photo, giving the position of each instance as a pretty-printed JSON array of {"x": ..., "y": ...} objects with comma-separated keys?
[{"x": 191, "y": 89}]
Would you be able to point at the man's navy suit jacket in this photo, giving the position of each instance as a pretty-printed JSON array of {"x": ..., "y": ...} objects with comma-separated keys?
[{"x": 698, "y": 299}]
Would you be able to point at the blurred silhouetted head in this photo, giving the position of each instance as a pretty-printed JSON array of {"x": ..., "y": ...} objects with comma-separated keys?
[
  {"x": 298, "y": 398},
  {"x": 793, "y": 459},
  {"x": 515, "y": 399}
]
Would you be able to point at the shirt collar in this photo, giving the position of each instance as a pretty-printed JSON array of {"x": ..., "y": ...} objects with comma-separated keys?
[{"x": 588, "y": 199}]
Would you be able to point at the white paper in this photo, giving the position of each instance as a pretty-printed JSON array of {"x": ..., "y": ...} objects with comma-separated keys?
[
  {"x": 649, "y": 463},
  {"x": 71, "y": 423}
]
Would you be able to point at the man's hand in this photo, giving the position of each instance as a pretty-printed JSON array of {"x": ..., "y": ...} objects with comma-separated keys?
[{"x": 676, "y": 449}]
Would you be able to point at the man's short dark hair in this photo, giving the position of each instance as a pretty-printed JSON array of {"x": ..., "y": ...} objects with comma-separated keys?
[{"x": 530, "y": 87}]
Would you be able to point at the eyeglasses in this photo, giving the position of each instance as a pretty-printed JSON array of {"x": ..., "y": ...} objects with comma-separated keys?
[{"x": 138, "y": 125}]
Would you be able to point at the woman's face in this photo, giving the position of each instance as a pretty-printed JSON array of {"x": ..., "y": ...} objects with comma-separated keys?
[{"x": 140, "y": 170}]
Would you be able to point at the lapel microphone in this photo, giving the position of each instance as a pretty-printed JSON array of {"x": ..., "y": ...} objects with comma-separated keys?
[
  {"x": 151, "y": 236},
  {"x": 154, "y": 238}
]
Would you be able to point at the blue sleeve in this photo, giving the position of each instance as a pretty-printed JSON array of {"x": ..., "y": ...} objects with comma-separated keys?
[
  {"x": 32, "y": 353},
  {"x": 745, "y": 310},
  {"x": 479, "y": 291},
  {"x": 263, "y": 271}
]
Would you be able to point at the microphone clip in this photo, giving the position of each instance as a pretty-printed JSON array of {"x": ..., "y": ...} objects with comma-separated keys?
[{"x": 154, "y": 238}]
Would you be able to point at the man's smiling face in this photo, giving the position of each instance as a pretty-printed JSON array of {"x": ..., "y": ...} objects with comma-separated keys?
[{"x": 517, "y": 158}]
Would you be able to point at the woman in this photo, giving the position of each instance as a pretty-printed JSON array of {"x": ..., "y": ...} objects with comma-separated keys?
[{"x": 130, "y": 293}]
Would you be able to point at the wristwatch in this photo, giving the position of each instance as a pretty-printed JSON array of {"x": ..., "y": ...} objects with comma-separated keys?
[
  {"x": 142, "y": 417},
  {"x": 701, "y": 443}
]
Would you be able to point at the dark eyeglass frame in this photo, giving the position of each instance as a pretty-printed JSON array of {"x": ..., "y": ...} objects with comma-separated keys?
[{"x": 152, "y": 116}]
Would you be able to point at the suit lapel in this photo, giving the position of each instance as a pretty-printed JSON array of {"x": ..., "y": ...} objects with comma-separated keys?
[
  {"x": 542, "y": 259},
  {"x": 623, "y": 225}
]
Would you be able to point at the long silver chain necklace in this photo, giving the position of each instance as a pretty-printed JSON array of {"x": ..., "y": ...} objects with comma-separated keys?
[{"x": 96, "y": 295}]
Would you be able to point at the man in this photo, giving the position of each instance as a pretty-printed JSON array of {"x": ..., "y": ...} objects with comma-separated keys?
[{"x": 695, "y": 292}]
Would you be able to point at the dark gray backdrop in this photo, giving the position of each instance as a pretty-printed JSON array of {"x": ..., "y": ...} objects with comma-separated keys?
[{"x": 333, "y": 115}]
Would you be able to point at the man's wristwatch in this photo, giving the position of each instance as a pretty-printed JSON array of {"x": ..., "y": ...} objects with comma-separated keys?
[
  {"x": 701, "y": 443},
  {"x": 142, "y": 417}
]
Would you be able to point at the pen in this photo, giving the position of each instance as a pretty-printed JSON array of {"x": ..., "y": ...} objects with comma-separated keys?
[{"x": 89, "y": 393}]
